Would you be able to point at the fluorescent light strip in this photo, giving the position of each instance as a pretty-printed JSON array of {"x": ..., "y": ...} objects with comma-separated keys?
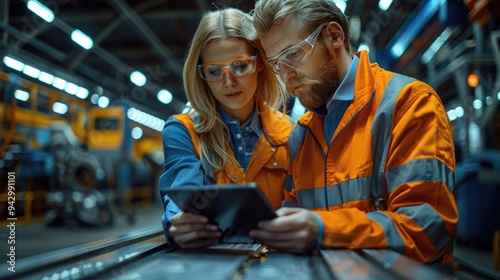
[
  {"x": 59, "y": 83},
  {"x": 164, "y": 96},
  {"x": 82, "y": 39},
  {"x": 145, "y": 119},
  {"x": 71, "y": 88},
  {"x": 40, "y": 10},
  {"x": 60, "y": 108},
  {"x": 103, "y": 102},
  {"x": 13, "y": 63},
  {"x": 31, "y": 71},
  {"x": 46, "y": 78},
  {"x": 384, "y": 4},
  {"x": 21, "y": 95},
  {"x": 341, "y": 4},
  {"x": 138, "y": 78},
  {"x": 82, "y": 93}
]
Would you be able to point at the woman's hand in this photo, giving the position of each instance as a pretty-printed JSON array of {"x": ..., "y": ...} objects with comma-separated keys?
[{"x": 193, "y": 231}]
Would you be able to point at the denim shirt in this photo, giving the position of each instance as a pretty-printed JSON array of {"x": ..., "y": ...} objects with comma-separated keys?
[{"x": 243, "y": 138}]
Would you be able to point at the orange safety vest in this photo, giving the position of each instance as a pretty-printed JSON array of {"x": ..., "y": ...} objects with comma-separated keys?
[
  {"x": 386, "y": 178},
  {"x": 268, "y": 165}
]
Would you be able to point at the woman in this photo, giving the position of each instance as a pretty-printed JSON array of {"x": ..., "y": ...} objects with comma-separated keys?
[{"x": 236, "y": 134}]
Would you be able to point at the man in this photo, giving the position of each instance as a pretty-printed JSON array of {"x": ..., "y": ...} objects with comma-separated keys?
[{"x": 372, "y": 161}]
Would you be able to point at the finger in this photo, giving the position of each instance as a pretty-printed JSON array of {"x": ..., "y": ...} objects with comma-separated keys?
[
  {"x": 185, "y": 228},
  {"x": 282, "y": 224},
  {"x": 182, "y": 218},
  {"x": 287, "y": 211}
]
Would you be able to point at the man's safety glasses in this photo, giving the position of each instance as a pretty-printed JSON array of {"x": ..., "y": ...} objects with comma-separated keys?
[
  {"x": 295, "y": 55},
  {"x": 238, "y": 68}
]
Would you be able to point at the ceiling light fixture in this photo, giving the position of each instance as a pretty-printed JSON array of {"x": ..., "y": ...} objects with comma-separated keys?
[
  {"x": 138, "y": 78},
  {"x": 82, "y": 39},
  {"x": 40, "y": 10}
]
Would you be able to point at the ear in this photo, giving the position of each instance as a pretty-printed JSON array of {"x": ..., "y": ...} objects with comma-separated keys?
[{"x": 334, "y": 35}]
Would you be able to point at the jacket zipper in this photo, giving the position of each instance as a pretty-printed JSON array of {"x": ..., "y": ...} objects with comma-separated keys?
[{"x": 331, "y": 144}]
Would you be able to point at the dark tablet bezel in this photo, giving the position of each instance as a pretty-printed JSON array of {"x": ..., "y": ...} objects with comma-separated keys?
[{"x": 236, "y": 209}]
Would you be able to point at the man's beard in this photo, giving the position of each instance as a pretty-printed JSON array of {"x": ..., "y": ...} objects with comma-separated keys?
[{"x": 317, "y": 92}]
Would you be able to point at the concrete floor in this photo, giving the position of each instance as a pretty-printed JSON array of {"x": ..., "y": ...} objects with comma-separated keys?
[{"x": 36, "y": 238}]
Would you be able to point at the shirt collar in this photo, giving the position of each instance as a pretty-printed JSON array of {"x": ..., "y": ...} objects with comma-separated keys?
[
  {"x": 253, "y": 122},
  {"x": 345, "y": 91}
]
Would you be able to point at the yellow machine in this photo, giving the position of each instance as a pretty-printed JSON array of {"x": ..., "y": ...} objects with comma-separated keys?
[{"x": 88, "y": 150}]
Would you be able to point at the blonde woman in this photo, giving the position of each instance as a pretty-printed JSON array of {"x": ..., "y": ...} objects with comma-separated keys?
[{"x": 236, "y": 133}]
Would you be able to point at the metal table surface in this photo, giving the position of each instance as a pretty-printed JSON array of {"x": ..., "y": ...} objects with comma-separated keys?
[{"x": 144, "y": 254}]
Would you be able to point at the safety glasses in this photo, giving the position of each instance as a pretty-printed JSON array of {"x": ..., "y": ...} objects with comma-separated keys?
[
  {"x": 295, "y": 55},
  {"x": 238, "y": 68}
]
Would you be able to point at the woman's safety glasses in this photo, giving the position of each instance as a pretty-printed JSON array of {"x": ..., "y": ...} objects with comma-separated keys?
[
  {"x": 295, "y": 55},
  {"x": 238, "y": 68}
]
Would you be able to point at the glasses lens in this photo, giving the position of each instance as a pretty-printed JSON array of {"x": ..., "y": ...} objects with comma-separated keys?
[
  {"x": 239, "y": 68},
  {"x": 295, "y": 57}
]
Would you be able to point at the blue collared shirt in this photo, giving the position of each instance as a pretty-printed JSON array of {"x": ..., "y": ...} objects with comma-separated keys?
[
  {"x": 244, "y": 137},
  {"x": 336, "y": 108}
]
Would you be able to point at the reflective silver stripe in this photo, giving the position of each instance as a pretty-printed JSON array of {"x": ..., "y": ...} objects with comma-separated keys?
[
  {"x": 381, "y": 130},
  {"x": 289, "y": 204},
  {"x": 429, "y": 220},
  {"x": 296, "y": 139},
  {"x": 420, "y": 170},
  {"x": 354, "y": 189},
  {"x": 392, "y": 236},
  {"x": 289, "y": 186},
  {"x": 423, "y": 170}
]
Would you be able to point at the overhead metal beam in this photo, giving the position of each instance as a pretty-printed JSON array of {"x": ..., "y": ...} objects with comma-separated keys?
[
  {"x": 145, "y": 31},
  {"x": 25, "y": 38},
  {"x": 107, "y": 31}
]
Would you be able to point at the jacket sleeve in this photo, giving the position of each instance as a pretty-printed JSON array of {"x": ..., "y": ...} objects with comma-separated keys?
[
  {"x": 182, "y": 166},
  {"x": 420, "y": 216}
]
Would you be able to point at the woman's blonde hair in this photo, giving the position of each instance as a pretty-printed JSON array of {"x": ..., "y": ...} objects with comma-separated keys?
[{"x": 214, "y": 134}]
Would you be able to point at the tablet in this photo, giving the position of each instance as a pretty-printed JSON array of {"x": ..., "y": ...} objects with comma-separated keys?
[{"x": 236, "y": 209}]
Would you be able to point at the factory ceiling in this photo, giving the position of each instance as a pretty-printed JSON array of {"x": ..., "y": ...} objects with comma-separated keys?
[{"x": 152, "y": 36}]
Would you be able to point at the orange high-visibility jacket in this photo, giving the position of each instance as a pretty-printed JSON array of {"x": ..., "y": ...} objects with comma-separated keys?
[
  {"x": 386, "y": 179},
  {"x": 268, "y": 165}
]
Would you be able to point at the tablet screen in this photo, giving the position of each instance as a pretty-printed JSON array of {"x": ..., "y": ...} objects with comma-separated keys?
[{"x": 236, "y": 209}]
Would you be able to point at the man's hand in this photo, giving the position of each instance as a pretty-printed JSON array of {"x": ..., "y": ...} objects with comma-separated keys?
[
  {"x": 193, "y": 231},
  {"x": 294, "y": 230}
]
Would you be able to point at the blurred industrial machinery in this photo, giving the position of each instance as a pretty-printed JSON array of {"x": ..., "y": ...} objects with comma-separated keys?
[{"x": 79, "y": 164}]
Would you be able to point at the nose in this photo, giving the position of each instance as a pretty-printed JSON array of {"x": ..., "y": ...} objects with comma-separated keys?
[
  {"x": 228, "y": 77},
  {"x": 286, "y": 73}
]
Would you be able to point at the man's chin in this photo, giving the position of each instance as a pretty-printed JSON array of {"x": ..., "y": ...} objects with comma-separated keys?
[{"x": 306, "y": 105}]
